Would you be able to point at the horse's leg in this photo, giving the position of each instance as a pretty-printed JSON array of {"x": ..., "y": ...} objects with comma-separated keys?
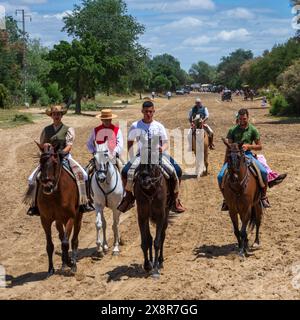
[
  {"x": 105, "y": 244},
  {"x": 206, "y": 155},
  {"x": 158, "y": 245},
  {"x": 65, "y": 243},
  {"x": 145, "y": 237},
  {"x": 98, "y": 224},
  {"x": 115, "y": 227},
  {"x": 77, "y": 227},
  {"x": 61, "y": 234},
  {"x": 163, "y": 236},
  {"x": 50, "y": 247},
  {"x": 244, "y": 236},
  {"x": 235, "y": 223},
  {"x": 258, "y": 213}
]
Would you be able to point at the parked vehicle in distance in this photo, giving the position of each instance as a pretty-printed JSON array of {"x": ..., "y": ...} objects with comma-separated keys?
[{"x": 180, "y": 92}]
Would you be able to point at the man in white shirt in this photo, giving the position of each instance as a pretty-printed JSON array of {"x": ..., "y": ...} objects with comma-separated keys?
[{"x": 141, "y": 131}]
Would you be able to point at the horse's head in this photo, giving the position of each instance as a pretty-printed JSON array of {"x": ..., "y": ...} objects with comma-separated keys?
[
  {"x": 235, "y": 158},
  {"x": 102, "y": 161},
  {"x": 149, "y": 176},
  {"x": 198, "y": 122},
  {"x": 50, "y": 166}
]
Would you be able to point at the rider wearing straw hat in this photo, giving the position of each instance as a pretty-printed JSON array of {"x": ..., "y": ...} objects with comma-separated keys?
[
  {"x": 59, "y": 134},
  {"x": 106, "y": 132}
]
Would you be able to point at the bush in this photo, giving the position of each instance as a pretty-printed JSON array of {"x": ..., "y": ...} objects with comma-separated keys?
[
  {"x": 270, "y": 93},
  {"x": 279, "y": 106},
  {"x": 54, "y": 93},
  {"x": 22, "y": 118},
  {"x": 289, "y": 82},
  {"x": 44, "y": 100},
  {"x": 4, "y": 96},
  {"x": 35, "y": 91}
]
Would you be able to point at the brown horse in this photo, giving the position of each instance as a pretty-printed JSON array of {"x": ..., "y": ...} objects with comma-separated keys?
[
  {"x": 57, "y": 200},
  {"x": 242, "y": 194},
  {"x": 151, "y": 192},
  {"x": 199, "y": 124}
]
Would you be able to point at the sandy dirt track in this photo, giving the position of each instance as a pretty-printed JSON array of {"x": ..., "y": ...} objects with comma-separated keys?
[{"x": 200, "y": 257}]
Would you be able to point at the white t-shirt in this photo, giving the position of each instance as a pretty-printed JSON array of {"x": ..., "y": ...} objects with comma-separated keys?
[{"x": 141, "y": 132}]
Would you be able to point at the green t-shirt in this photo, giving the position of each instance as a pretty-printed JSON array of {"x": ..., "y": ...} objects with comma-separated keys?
[{"x": 248, "y": 135}]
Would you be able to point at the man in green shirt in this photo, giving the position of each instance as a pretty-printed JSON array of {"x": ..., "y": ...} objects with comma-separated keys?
[{"x": 249, "y": 135}]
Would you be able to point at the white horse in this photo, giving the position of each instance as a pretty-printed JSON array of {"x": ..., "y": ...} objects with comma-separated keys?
[{"x": 107, "y": 187}]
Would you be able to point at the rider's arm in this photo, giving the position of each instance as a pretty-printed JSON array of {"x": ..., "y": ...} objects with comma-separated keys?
[
  {"x": 253, "y": 147},
  {"x": 206, "y": 115},
  {"x": 91, "y": 142},
  {"x": 130, "y": 149},
  {"x": 120, "y": 144},
  {"x": 164, "y": 146},
  {"x": 70, "y": 137}
]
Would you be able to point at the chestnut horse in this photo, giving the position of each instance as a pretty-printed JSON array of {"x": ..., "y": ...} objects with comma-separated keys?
[
  {"x": 242, "y": 195},
  {"x": 152, "y": 197},
  {"x": 57, "y": 200},
  {"x": 197, "y": 148}
]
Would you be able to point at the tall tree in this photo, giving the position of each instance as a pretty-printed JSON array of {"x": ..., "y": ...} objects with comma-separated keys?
[
  {"x": 229, "y": 68},
  {"x": 166, "y": 67},
  {"x": 77, "y": 66},
  {"x": 118, "y": 32},
  {"x": 202, "y": 72}
]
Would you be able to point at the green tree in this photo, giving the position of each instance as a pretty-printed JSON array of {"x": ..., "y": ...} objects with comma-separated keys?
[
  {"x": 167, "y": 67},
  {"x": 202, "y": 72},
  {"x": 118, "y": 32},
  {"x": 161, "y": 83},
  {"x": 77, "y": 66},
  {"x": 229, "y": 68},
  {"x": 289, "y": 85}
]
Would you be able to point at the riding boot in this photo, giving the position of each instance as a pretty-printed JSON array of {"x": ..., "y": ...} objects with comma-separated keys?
[
  {"x": 264, "y": 199},
  {"x": 278, "y": 180},
  {"x": 127, "y": 202},
  {"x": 33, "y": 211},
  {"x": 211, "y": 142},
  {"x": 177, "y": 206}
]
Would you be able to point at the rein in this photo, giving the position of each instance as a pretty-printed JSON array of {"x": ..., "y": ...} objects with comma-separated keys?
[{"x": 106, "y": 194}]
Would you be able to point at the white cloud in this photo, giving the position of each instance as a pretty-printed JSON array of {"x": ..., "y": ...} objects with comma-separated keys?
[
  {"x": 182, "y": 24},
  {"x": 58, "y": 16},
  {"x": 240, "y": 13},
  {"x": 276, "y": 32},
  {"x": 172, "y": 6},
  {"x": 196, "y": 41},
  {"x": 237, "y": 35},
  {"x": 31, "y": 1}
]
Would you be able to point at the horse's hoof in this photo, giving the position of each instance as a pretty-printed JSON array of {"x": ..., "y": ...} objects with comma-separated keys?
[
  {"x": 155, "y": 274},
  {"x": 116, "y": 253},
  {"x": 255, "y": 246},
  {"x": 105, "y": 249},
  {"x": 99, "y": 254},
  {"x": 50, "y": 273},
  {"x": 74, "y": 269},
  {"x": 148, "y": 267},
  {"x": 242, "y": 255}
]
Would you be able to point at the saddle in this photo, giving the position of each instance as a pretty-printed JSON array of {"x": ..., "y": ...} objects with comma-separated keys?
[{"x": 254, "y": 170}]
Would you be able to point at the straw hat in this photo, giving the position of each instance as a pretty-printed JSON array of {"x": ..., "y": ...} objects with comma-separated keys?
[
  {"x": 106, "y": 114},
  {"x": 198, "y": 100},
  {"x": 56, "y": 109}
]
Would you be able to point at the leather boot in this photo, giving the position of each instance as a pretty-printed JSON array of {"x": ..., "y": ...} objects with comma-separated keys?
[
  {"x": 211, "y": 142},
  {"x": 278, "y": 180},
  {"x": 177, "y": 206},
  {"x": 127, "y": 202},
  {"x": 264, "y": 199}
]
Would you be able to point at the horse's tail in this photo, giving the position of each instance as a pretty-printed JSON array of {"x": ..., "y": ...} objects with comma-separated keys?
[
  {"x": 252, "y": 219},
  {"x": 28, "y": 195}
]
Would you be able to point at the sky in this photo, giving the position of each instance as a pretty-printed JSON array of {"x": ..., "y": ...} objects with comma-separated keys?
[{"x": 189, "y": 30}]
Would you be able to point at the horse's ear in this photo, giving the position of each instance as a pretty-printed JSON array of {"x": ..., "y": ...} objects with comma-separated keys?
[
  {"x": 39, "y": 146},
  {"x": 226, "y": 143}
]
